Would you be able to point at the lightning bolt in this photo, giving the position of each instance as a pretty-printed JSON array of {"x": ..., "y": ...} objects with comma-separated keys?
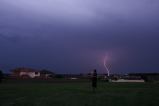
[{"x": 108, "y": 71}]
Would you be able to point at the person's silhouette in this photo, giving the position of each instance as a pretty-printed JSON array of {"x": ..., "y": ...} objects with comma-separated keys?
[
  {"x": 94, "y": 80},
  {"x": 1, "y": 76}
]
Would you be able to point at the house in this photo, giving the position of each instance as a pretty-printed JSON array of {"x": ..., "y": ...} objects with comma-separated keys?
[
  {"x": 46, "y": 74},
  {"x": 25, "y": 73}
]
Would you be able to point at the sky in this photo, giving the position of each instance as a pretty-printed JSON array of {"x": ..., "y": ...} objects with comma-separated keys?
[{"x": 75, "y": 36}]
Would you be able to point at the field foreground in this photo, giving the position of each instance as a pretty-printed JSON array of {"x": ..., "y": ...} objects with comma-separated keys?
[{"x": 79, "y": 94}]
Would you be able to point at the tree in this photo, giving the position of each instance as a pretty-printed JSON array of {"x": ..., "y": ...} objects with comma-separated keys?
[{"x": 1, "y": 76}]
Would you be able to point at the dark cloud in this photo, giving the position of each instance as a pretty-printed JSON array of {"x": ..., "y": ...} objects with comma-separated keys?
[{"x": 74, "y": 36}]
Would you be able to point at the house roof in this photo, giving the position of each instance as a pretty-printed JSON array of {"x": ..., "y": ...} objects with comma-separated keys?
[
  {"x": 23, "y": 69},
  {"x": 46, "y": 72}
]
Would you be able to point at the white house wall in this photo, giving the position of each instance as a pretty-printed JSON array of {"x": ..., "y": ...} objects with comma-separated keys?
[{"x": 30, "y": 74}]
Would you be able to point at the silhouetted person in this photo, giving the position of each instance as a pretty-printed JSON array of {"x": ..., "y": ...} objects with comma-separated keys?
[
  {"x": 94, "y": 80},
  {"x": 1, "y": 76}
]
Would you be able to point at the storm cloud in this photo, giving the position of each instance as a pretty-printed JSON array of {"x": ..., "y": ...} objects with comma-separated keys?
[{"x": 73, "y": 36}]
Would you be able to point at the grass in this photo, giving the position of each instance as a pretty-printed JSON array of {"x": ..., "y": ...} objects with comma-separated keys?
[{"x": 79, "y": 94}]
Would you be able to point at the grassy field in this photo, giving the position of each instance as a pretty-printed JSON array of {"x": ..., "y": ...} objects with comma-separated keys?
[{"x": 79, "y": 94}]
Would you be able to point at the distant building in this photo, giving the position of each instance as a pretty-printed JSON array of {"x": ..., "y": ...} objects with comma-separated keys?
[
  {"x": 128, "y": 80},
  {"x": 25, "y": 73},
  {"x": 148, "y": 77},
  {"x": 46, "y": 74}
]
